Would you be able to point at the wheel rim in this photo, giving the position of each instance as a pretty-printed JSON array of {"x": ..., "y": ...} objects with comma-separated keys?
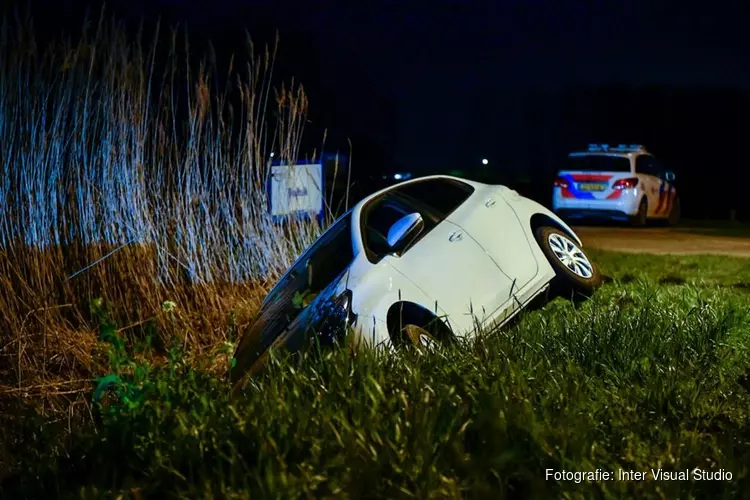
[
  {"x": 570, "y": 255},
  {"x": 418, "y": 337}
]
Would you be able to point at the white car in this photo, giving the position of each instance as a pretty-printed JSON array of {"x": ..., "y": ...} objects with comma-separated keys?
[
  {"x": 620, "y": 183},
  {"x": 425, "y": 260}
]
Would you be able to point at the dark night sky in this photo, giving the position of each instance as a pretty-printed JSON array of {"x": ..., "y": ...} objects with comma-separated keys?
[
  {"x": 431, "y": 59},
  {"x": 406, "y": 78},
  {"x": 428, "y": 58}
]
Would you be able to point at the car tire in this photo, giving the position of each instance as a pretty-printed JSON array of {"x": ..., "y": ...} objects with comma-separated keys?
[
  {"x": 407, "y": 322},
  {"x": 640, "y": 219},
  {"x": 675, "y": 212},
  {"x": 575, "y": 274}
]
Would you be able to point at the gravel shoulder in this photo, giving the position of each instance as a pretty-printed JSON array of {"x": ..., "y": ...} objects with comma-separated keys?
[{"x": 675, "y": 241}]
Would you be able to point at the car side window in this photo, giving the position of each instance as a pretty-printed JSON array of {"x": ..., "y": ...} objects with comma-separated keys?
[
  {"x": 441, "y": 196},
  {"x": 644, "y": 164},
  {"x": 332, "y": 257},
  {"x": 380, "y": 214},
  {"x": 659, "y": 170},
  {"x": 380, "y": 218}
]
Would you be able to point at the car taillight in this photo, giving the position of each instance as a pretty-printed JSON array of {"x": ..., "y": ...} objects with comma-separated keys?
[
  {"x": 625, "y": 183},
  {"x": 560, "y": 182},
  {"x": 334, "y": 318}
]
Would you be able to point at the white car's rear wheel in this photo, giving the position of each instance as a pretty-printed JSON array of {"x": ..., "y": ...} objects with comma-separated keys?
[{"x": 575, "y": 273}]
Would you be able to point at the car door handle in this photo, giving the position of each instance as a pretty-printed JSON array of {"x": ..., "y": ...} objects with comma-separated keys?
[
  {"x": 489, "y": 203},
  {"x": 455, "y": 236}
]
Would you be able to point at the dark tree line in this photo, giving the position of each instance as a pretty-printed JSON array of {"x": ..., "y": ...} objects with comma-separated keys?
[{"x": 697, "y": 132}]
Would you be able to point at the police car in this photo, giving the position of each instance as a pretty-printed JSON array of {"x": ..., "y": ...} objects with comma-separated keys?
[{"x": 618, "y": 183}]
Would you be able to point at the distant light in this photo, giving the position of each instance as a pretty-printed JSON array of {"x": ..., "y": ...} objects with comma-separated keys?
[
  {"x": 485, "y": 161},
  {"x": 398, "y": 177},
  {"x": 272, "y": 154}
]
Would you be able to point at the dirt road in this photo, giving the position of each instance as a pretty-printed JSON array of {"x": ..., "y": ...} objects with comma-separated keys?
[{"x": 678, "y": 241}]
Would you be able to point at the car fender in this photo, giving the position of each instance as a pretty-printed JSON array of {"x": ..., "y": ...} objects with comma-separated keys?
[
  {"x": 373, "y": 297},
  {"x": 541, "y": 209},
  {"x": 526, "y": 208}
]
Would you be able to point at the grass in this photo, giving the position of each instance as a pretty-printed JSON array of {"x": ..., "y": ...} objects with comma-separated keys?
[{"x": 644, "y": 375}]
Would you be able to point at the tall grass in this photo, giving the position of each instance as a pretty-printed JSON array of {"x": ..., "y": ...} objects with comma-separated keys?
[
  {"x": 130, "y": 172},
  {"x": 643, "y": 376}
]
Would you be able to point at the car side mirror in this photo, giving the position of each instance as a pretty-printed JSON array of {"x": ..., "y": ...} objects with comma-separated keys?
[
  {"x": 669, "y": 176},
  {"x": 404, "y": 231}
]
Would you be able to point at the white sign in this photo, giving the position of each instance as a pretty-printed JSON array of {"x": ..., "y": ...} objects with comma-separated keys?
[{"x": 296, "y": 189}]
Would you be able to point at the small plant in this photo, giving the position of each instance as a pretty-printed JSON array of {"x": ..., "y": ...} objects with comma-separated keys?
[
  {"x": 300, "y": 300},
  {"x": 168, "y": 306},
  {"x": 126, "y": 377}
]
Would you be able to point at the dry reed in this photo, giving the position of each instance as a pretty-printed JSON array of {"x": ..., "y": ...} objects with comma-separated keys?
[{"x": 127, "y": 172}]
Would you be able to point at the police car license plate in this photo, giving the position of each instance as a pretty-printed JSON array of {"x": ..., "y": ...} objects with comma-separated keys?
[{"x": 592, "y": 186}]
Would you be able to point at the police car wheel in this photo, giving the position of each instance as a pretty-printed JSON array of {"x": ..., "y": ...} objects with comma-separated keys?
[
  {"x": 674, "y": 212},
  {"x": 575, "y": 273},
  {"x": 641, "y": 217}
]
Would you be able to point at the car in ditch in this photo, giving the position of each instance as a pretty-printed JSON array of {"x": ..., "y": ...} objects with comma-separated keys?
[
  {"x": 421, "y": 262},
  {"x": 622, "y": 183}
]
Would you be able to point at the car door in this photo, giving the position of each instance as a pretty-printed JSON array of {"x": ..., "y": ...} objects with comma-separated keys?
[
  {"x": 665, "y": 190},
  {"x": 490, "y": 221},
  {"x": 446, "y": 263},
  {"x": 645, "y": 168},
  {"x": 496, "y": 227}
]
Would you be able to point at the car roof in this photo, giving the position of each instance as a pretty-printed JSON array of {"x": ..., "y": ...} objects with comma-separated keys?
[
  {"x": 578, "y": 154},
  {"x": 357, "y": 209},
  {"x": 365, "y": 200},
  {"x": 621, "y": 150}
]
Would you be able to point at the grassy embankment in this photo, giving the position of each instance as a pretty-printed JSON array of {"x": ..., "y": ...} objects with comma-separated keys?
[{"x": 653, "y": 372}]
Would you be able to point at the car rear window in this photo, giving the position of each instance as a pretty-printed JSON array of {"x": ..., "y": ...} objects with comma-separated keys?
[
  {"x": 328, "y": 256},
  {"x": 599, "y": 163}
]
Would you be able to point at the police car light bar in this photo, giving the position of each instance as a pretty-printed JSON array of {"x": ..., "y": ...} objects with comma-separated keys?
[{"x": 619, "y": 148}]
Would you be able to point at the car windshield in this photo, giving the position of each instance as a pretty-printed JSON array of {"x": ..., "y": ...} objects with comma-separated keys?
[{"x": 599, "y": 163}]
